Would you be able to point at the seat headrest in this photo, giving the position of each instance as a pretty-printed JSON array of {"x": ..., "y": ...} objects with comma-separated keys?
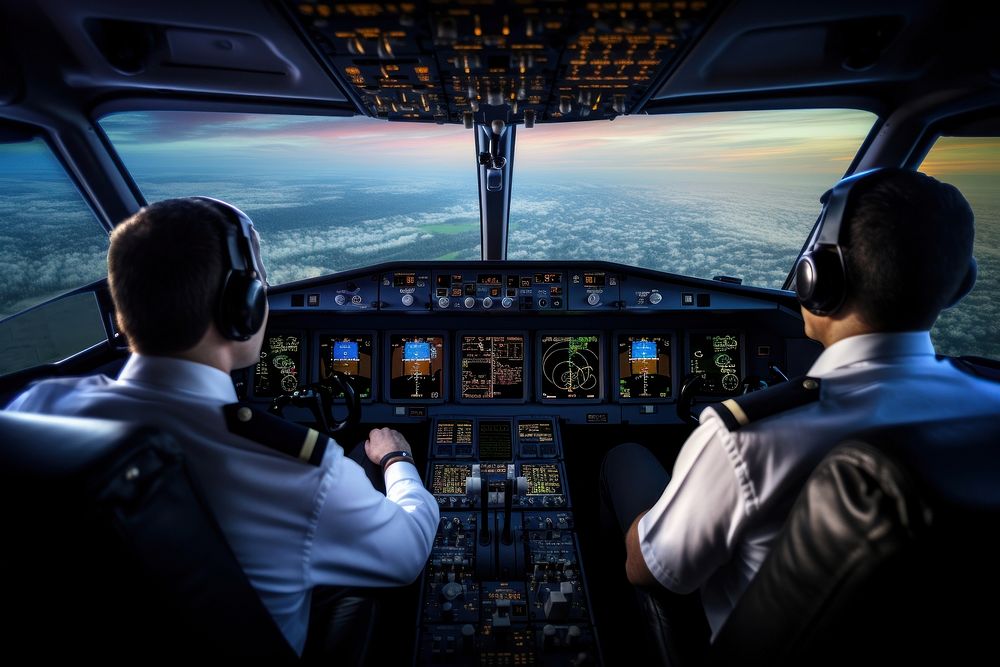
[
  {"x": 956, "y": 460},
  {"x": 50, "y": 447}
]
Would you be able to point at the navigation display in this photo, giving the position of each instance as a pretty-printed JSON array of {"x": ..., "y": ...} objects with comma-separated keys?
[
  {"x": 280, "y": 365},
  {"x": 491, "y": 367},
  {"x": 643, "y": 367},
  {"x": 416, "y": 367},
  {"x": 350, "y": 355},
  {"x": 570, "y": 367},
  {"x": 716, "y": 357}
]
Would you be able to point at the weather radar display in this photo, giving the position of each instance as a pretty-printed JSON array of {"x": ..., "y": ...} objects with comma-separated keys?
[
  {"x": 643, "y": 367},
  {"x": 277, "y": 372},
  {"x": 571, "y": 367},
  {"x": 716, "y": 357},
  {"x": 416, "y": 367}
]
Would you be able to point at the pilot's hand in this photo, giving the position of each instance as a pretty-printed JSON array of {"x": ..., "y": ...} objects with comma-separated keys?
[{"x": 381, "y": 441}]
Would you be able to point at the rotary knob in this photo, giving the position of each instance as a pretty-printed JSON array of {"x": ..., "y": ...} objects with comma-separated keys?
[
  {"x": 487, "y": 302},
  {"x": 655, "y": 298},
  {"x": 507, "y": 302},
  {"x": 340, "y": 299},
  {"x": 593, "y": 298},
  {"x": 444, "y": 302},
  {"x": 470, "y": 302},
  {"x": 407, "y": 300},
  {"x": 451, "y": 591}
]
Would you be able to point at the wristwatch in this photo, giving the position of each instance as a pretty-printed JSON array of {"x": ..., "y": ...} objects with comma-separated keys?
[{"x": 398, "y": 454}]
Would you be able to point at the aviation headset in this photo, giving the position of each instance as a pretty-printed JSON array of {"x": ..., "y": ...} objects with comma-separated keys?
[
  {"x": 821, "y": 273},
  {"x": 242, "y": 296}
]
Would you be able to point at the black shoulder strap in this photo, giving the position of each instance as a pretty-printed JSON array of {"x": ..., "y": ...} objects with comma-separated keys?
[
  {"x": 978, "y": 366},
  {"x": 297, "y": 441},
  {"x": 742, "y": 410}
]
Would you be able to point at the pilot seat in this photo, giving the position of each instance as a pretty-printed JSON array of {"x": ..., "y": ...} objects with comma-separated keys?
[
  {"x": 886, "y": 558},
  {"x": 110, "y": 551}
]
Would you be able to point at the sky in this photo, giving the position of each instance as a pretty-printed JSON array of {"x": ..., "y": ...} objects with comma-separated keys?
[{"x": 800, "y": 145}]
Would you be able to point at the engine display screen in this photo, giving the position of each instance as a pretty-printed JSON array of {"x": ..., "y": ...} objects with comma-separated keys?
[
  {"x": 716, "y": 357},
  {"x": 643, "y": 367},
  {"x": 491, "y": 367},
  {"x": 570, "y": 367},
  {"x": 280, "y": 366},
  {"x": 350, "y": 355},
  {"x": 416, "y": 367}
]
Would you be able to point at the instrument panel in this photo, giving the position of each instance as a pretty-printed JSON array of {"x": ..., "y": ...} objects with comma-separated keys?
[{"x": 590, "y": 343}]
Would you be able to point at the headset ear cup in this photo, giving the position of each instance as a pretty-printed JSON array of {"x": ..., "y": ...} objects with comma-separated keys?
[
  {"x": 968, "y": 282},
  {"x": 820, "y": 283},
  {"x": 243, "y": 306},
  {"x": 256, "y": 306},
  {"x": 805, "y": 279}
]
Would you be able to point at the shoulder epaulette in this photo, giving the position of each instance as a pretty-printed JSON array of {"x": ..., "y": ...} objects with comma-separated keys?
[
  {"x": 742, "y": 410},
  {"x": 297, "y": 441}
]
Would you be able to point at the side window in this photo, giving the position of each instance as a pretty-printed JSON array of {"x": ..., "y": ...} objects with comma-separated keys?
[
  {"x": 972, "y": 164},
  {"x": 50, "y": 332},
  {"x": 50, "y": 243}
]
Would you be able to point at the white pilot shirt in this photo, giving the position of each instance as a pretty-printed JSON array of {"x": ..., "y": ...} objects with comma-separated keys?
[
  {"x": 730, "y": 492},
  {"x": 292, "y": 525}
]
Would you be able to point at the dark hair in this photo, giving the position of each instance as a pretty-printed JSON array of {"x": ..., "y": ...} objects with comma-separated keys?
[
  {"x": 907, "y": 247},
  {"x": 165, "y": 272}
]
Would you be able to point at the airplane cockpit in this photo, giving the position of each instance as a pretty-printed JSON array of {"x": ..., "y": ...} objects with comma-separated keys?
[{"x": 518, "y": 233}]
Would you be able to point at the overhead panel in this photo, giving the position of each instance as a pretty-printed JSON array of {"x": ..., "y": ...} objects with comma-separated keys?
[{"x": 529, "y": 61}]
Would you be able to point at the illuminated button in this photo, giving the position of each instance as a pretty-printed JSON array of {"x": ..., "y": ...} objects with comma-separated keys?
[
  {"x": 407, "y": 299},
  {"x": 593, "y": 298},
  {"x": 507, "y": 302},
  {"x": 487, "y": 302},
  {"x": 543, "y": 302},
  {"x": 356, "y": 299},
  {"x": 340, "y": 300},
  {"x": 444, "y": 302},
  {"x": 655, "y": 298},
  {"x": 469, "y": 302}
]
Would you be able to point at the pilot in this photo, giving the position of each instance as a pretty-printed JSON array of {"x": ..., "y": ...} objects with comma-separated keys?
[
  {"x": 894, "y": 248},
  {"x": 189, "y": 290}
]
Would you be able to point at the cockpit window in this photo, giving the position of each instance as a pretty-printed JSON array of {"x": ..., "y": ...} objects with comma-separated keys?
[
  {"x": 972, "y": 164},
  {"x": 326, "y": 194},
  {"x": 50, "y": 241},
  {"x": 703, "y": 195}
]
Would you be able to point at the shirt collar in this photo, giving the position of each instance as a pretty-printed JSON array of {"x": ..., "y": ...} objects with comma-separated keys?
[
  {"x": 179, "y": 375},
  {"x": 871, "y": 347}
]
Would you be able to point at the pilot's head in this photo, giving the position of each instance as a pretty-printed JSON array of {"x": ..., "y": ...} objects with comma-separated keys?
[
  {"x": 906, "y": 240},
  {"x": 186, "y": 274}
]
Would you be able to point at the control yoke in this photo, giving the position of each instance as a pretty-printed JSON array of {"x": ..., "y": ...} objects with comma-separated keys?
[{"x": 318, "y": 399}]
